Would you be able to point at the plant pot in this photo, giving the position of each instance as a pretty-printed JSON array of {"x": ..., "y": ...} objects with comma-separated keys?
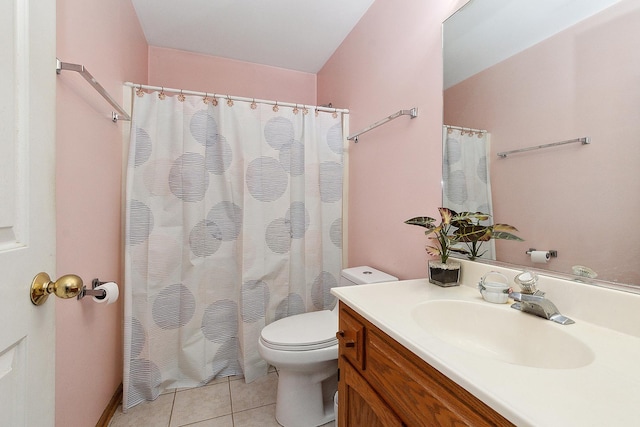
[{"x": 444, "y": 274}]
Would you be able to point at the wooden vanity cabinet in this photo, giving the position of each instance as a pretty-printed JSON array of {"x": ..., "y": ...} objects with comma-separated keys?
[{"x": 384, "y": 384}]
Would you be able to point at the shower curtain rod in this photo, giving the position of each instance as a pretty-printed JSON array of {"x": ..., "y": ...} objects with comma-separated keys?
[
  {"x": 121, "y": 114},
  {"x": 412, "y": 112},
  {"x": 465, "y": 129},
  {"x": 235, "y": 98}
]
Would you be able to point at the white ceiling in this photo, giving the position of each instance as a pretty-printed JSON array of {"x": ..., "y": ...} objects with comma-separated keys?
[
  {"x": 486, "y": 32},
  {"x": 294, "y": 34}
]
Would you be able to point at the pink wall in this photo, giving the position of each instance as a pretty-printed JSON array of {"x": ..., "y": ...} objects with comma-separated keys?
[
  {"x": 582, "y": 82},
  {"x": 392, "y": 60},
  {"x": 192, "y": 71},
  {"x": 107, "y": 39}
]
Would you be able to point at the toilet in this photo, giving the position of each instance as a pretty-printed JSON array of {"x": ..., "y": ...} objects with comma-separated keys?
[{"x": 304, "y": 350}]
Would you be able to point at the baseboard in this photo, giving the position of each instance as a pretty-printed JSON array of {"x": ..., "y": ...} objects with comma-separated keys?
[{"x": 111, "y": 408}]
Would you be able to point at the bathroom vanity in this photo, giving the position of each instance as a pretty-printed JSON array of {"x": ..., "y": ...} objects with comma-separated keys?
[
  {"x": 384, "y": 384},
  {"x": 412, "y": 353}
]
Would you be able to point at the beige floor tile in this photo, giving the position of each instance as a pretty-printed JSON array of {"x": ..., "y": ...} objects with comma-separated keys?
[
  {"x": 225, "y": 421},
  {"x": 148, "y": 414},
  {"x": 202, "y": 403},
  {"x": 260, "y": 392},
  {"x": 264, "y": 416}
]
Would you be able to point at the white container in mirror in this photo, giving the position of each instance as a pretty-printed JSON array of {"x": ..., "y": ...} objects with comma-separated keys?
[{"x": 492, "y": 291}]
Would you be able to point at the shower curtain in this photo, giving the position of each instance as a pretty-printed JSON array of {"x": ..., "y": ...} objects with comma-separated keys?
[
  {"x": 233, "y": 221},
  {"x": 466, "y": 186}
]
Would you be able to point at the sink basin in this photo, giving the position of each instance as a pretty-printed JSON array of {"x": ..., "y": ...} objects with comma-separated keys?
[{"x": 501, "y": 333}]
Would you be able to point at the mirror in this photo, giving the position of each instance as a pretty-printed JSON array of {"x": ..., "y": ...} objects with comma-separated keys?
[{"x": 533, "y": 73}]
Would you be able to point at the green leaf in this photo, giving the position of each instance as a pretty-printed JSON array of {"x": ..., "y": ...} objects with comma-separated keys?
[
  {"x": 504, "y": 227},
  {"x": 473, "y": 233},
  {"x": 422, "y": 221},
  {"x": 433, "y": 251},
  {"x": 447, "y": 214},
  {"x": 503, "y": 235}
]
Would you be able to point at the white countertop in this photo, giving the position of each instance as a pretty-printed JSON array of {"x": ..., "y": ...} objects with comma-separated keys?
[{"x": 604, "y": 392}]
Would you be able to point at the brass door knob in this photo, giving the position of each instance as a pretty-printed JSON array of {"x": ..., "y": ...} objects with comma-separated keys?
[{"x": 67, "y": 286}]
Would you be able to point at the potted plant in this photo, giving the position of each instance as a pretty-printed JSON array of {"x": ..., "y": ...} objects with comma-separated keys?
[
  {"x": 473, "y": 234},
  {"x": 442, "y": 272}
]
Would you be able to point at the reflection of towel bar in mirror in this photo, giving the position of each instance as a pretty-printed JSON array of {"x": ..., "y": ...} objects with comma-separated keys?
[
  {"x": 584, "y": 141},
  {"x": 412, "y": 112}
]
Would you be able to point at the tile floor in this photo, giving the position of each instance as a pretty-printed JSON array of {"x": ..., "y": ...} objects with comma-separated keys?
[{"x": 227, "y": 402}]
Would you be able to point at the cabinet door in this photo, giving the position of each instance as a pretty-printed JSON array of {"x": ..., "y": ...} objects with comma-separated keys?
[
  {"x": 351, "y": 338},
  {"x": 359, "y": 405}
]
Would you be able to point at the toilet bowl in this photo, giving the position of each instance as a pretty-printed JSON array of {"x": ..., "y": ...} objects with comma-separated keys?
[{"x": 304, "y": 350}]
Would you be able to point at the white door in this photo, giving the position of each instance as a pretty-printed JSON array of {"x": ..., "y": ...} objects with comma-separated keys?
[{"x": 27, "y": 220}]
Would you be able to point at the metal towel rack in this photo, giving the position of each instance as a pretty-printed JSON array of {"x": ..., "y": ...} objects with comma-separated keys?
[
  {"x": 412, "y": 112},
  {"x": 585, "y": 140},
  {"x": 115, "y": 116}
]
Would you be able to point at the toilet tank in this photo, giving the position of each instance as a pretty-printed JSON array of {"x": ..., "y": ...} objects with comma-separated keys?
[{"x": 362, "y": 275}]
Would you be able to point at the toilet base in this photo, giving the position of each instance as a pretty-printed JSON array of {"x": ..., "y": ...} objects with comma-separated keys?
[{"x": 305, "y": 400}]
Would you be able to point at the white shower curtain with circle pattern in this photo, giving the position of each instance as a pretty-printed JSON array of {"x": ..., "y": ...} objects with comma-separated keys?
[
  {"x": 466, "y": 185},
  {"x": 233, "y": 221}
]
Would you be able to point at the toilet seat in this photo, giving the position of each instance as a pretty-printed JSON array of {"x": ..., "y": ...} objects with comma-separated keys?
[{"x": 308, "y": 331}]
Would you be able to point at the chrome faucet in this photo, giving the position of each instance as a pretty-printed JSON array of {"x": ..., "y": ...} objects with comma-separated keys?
[{"x": 537, "y": 304}]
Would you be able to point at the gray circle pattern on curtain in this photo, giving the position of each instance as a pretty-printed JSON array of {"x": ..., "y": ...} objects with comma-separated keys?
[
  {"x": 292, "y": 158},
  {"x": 335, "y": 232},
  {"x": 220, "y": 321},
  {"x": 144, "y": 381},
  {"x": 174, "y": 307},
  {"x": 456, "y": 187},
  {"x": 255, "y": 300},
  {"x": 188, "y": 177},
  {"x": 225, "y": 361},
  {"x": 330, "y": 182},
  {"x": 204, "y": 128},
  {"x": 482, "y": 170},
  {"x": 321, "y": 290},
  {"x": 140, "y": 222},
  {"x": 143, "y": 147},
  {"x": 291, "y": 305},
  {"x": 224, "y": 221},
  {"x": 138, "y": 337},
  {"x": 278, "y": 132},
  {"x": 266, "y": 179},
  {"x": 278, "y": 236},
  {"x": 298, "y": 218},
  {"x": 205, "y": 238},
  {"x": 453, "y": 151},
  {"x": 334, "y": 138},
  {"x": 218, "y": 156}
]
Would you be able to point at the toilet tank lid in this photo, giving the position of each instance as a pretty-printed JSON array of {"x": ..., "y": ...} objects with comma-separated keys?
[{"x": 366, "y": 274}]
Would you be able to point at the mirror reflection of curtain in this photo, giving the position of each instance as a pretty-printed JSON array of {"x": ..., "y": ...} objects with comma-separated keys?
[
  {"x": 233, "y": 222},
  {"x": 466, "y": 186}
]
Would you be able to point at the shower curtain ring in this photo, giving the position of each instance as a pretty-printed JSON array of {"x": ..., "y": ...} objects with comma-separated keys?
[
  {"x": 139, "y": 91},
  {"x": 206, "y": 99},
  {"x": 181, "y": 97},
  {"x": 229, "y": 101},
  {"x": 275, "y": 107},
  {"x": 254, "y": 105},
  {"x": 295, "y": 109},
  {"x": 162, "y": 95}
]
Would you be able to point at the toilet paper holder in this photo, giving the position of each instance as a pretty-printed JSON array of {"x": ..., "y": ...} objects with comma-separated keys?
[
  {"x": 552, "y": 253},
  {"x": 98, "y": 293}
]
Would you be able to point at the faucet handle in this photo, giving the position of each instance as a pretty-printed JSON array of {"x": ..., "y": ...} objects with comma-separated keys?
[{"x": 527, "y": 280}]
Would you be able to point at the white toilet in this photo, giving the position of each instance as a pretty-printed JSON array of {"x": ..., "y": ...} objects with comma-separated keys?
[{"x": 304, "y": 349}]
